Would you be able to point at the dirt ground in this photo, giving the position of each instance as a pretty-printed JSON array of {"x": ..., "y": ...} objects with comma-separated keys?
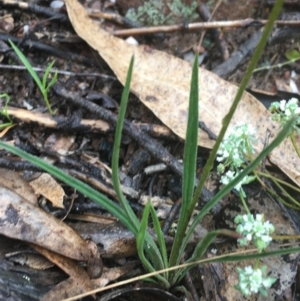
[{"x": 79, "y": 138}]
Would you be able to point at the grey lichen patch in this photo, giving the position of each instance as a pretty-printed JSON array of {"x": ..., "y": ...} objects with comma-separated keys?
[{"x": 157, "y": 12}]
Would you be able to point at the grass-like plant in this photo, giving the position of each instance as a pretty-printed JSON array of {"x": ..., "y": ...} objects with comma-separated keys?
[
  {"x": 155, "y": 256},
  {"x": 152, "y": 250},
  {"x": 4, "y": 112},
  {"x": 42, "y": 84}
]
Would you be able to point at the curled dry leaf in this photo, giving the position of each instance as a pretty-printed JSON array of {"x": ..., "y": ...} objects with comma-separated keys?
[
  {"x": 21, "y": 220},
  {"x": 78, "y": 276},
  {"x": 162, "y": 83},
  {"x": 72, "y": 287},
  {"x": 12, "y": 180},
  {"x": 49, "y": 188}
]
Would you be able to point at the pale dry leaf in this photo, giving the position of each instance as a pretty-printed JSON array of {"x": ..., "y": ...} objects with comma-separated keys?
[
  {"x": 72, "y": 287},
  {"x": 21, "y": 220},
  {"x": 60, "y": 143},
  {"x": 49, "y": 188},
  {"x": 13, "y": 181},
  {"x": 34, "y": 261},
  {"x": 6, "y": 23},
  {"x": 162, "y": 83},
  {"x": 78, "y": 283}
]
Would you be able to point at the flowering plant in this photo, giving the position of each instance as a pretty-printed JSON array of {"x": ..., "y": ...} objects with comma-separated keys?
[
  {"x": 283, "y": 110},
  {"x": 254, "y": 229},
  {"x": 234, "y": 151},
  {"x": 254, "y": 281}
]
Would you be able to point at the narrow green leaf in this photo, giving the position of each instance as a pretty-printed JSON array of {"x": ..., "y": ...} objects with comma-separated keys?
[
  {"x": 160, "y": 238},
  {"x": 4, "y": 111},
  {"x": 153, "y": 251},
  {"x": 116, "y": 151},
  {"x": 189, "y": 165},
  {"x": 237, "y": 257},
  {"x": 198, "y": 253},
  {"x": 27, "y": 65},
  {"x": 53, "y": 81},
  {"x": 279, "y": 252},
  {"x": 142, "y": 244},
  {"x": 140, "y": 239},
  {"x": 33, "y": 74},
  {"x": 200, "y": 250},
  {"x": 46, "y": 74}
]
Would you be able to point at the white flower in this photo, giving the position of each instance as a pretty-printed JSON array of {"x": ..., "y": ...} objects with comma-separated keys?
[
  {"x": 254, "y": 281},
  {"x": 283, "y": 110},
  {"x": 254, "y": 229},
  {"x": 282, "y": 105}
]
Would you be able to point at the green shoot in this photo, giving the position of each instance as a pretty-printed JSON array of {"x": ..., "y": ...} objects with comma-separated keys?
[
  {"x": 291, "y": 55},
  {"x": 5, "y": 113},
  {"x": 44, "y": 88}
]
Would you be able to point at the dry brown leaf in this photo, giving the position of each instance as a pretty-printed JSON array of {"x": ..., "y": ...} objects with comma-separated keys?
[
  {"x": 6, "y": 23},
  {"x": 71, "y": 287},
  {"x": 13, "y": 181},
  {"x": 49, "y": 188},
  {"x": 21, "y": 220},
  {"x": 116, "y": 240},
  {"x": 78, "y": 283},
  {"x": 34, "y": 261},
  {"x": 162, "y": 83}
]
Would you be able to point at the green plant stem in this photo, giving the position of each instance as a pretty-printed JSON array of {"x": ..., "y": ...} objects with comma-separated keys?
[
  {"x": 294, "y": 144},
  {"x": 244, "y": 203},
  {"x": 269, "y": 176},
  {"x": 277, "y": 183},
  {"x": 275, "y": 66},
  {"x": 209, "y": 165}
]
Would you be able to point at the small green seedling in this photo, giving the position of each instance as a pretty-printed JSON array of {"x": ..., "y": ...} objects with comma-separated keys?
[
  {"x": 43, "y": 86},
  {"x": 5, "y": 113},
  {"x": 292, "y": 56}
]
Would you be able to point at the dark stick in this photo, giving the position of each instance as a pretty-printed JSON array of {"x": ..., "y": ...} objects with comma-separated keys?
[{"x": 51, "y": 50}]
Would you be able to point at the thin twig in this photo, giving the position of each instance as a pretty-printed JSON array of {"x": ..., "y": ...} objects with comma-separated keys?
[{"x": 200, "y": 25}]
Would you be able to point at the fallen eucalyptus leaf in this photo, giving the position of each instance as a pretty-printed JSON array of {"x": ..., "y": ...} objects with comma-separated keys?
[{"x": 162, "y": 83}]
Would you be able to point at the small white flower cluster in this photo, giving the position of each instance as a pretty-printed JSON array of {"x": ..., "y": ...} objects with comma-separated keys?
[
  {"x": 254, "y": 281},
  {"x": 254, "y": 229},
  {"x": 283, "y": 110},
  {"x": 232, "y": 153}
]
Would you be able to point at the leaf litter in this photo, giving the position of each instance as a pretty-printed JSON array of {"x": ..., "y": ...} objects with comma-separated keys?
[{"x": 162, "y": 81}]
